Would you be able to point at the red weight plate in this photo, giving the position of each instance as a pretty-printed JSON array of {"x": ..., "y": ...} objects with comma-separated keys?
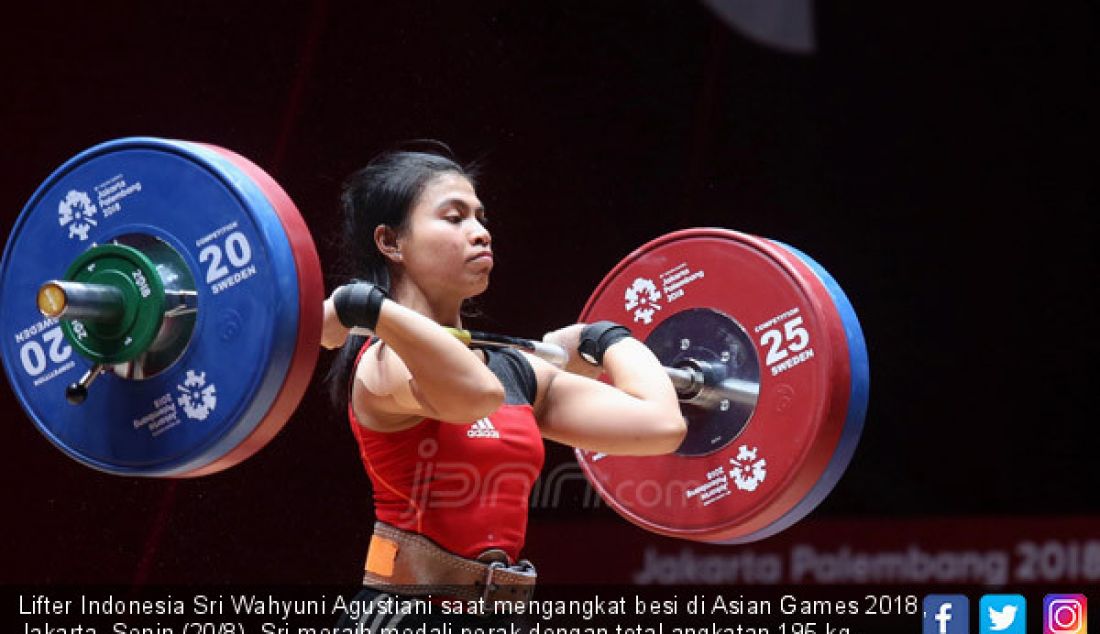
[
  {"x": 310, "y": 300},
  {"x": 755, "y": 477}
]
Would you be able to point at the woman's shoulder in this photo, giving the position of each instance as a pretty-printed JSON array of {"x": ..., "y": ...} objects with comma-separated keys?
[
  {"x": 381, "y": 376},
  {"x": 516, "y": 374}
]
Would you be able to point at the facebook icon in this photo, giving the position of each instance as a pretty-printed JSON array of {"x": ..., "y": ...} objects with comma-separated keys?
[{"x": 946, "y": 614}]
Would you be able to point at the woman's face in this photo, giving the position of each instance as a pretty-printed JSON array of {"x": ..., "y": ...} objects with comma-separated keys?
[{"x": 446, "y": 248}]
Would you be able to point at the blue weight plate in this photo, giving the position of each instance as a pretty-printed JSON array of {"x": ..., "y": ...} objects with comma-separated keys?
[
  {"x": 859, "y": 392},
  {"x": 224, "y": 228}
]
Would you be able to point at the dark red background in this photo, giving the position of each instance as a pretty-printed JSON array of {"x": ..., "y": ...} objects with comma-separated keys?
[{"x": 938, "y": 161}]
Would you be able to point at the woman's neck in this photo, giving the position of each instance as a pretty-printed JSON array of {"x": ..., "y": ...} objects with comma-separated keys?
[{"x": 446, "y": 312}]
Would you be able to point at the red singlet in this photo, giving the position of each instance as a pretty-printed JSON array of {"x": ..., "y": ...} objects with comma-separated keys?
[{"x": 464, "y": 486}]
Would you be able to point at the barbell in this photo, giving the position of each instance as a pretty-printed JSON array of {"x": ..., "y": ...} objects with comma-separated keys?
[{"x": 182, "y": 280}]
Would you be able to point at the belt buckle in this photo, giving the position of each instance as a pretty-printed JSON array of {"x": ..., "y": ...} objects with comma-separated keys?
[{"x": 489, "y": 585}]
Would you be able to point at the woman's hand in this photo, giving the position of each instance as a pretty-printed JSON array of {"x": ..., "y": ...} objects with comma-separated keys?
[
  {"x": 637, "y": 414},
  {"x": 570, "y": 339},
  {"x": 333, "y": 333}
]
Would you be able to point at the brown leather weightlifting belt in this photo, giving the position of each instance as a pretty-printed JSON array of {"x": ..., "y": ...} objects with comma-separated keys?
[{"x": 411, "y": 564}]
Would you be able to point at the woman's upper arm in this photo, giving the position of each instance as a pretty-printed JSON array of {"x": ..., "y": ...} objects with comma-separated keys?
[
  {"x": 382, "y": 394},
  {"x": 387, "y": 397}
]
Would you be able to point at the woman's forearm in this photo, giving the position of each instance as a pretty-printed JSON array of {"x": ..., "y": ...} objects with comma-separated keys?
[{"x": 634, "y": 369}]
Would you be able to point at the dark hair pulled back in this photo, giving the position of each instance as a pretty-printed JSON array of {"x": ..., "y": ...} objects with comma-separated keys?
[{"x": 381, "y": 193}]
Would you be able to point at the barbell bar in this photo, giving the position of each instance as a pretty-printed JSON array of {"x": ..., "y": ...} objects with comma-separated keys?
[
  {"x": 697, "y": 382},
  {"x": 184, "y": 277}
]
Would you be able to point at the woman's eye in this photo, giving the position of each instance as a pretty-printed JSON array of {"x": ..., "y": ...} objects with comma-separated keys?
[{"x": 454, "y": 218}]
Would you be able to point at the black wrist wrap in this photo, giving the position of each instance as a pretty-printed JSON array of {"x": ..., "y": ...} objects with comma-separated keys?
[
  {"x": 598, "y": 337},
  {"x": 358, "y": 304}
]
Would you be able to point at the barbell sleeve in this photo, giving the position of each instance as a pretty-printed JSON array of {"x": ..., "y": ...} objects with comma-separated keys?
[{"x": 60, "y": 299}]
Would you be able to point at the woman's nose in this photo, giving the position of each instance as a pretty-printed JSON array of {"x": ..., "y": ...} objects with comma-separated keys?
[{"x": 480, "y": 235}]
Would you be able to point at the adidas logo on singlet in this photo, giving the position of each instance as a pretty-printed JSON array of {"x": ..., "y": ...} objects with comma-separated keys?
[{"x": 482, "y": 429}]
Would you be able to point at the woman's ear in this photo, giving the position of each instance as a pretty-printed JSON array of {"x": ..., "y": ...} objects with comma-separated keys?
[{"x": 388, "y": 245}]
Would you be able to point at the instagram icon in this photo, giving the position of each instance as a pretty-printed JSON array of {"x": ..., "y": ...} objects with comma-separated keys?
[{"x": 1065, "y": 614}]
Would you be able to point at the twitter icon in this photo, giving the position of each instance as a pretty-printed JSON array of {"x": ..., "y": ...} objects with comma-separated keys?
[{"x": 1002, "y": 613}]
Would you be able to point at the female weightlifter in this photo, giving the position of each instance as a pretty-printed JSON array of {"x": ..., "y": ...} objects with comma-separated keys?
[{"x": 452, "y": 437}]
